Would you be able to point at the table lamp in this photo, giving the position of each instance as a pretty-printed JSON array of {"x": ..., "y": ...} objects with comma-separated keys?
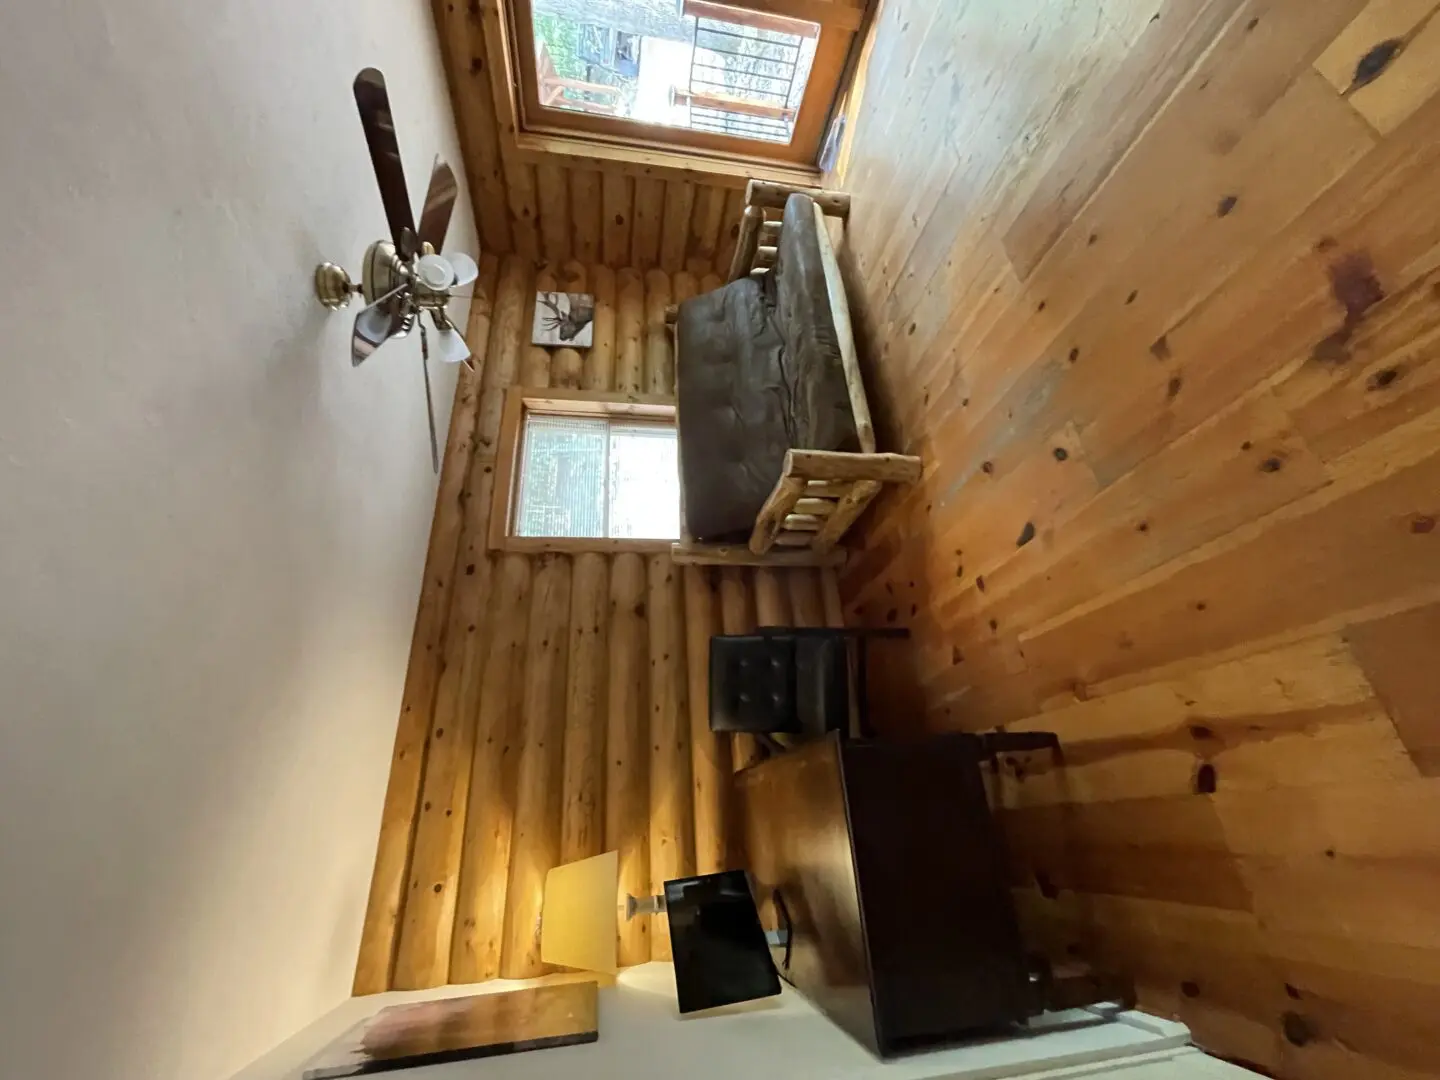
[{"x": 579, "y": 914}]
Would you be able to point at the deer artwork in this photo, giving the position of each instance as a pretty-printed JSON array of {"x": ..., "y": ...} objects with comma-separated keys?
[{"x": 567, "y": 324}]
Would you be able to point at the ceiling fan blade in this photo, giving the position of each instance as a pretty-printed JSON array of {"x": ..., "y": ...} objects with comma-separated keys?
[
  {"x": 375, "y": 325},
  {"x": 429, "y": 400},
  {"x": 465, "y": 269},
  {"x": 374, "y": 105},
  {"x": 439, "y": 204}
]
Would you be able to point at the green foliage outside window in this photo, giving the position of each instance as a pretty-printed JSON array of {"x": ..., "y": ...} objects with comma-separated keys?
[{"x": 562, "y": 39}]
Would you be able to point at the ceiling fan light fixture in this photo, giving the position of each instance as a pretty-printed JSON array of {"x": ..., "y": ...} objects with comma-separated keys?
[
  {"x": 466, "y": 269},
  {"x": 402, "y": 277},
  {"x": 451, "y": 347},
  {"x": 435, "y": 272}
]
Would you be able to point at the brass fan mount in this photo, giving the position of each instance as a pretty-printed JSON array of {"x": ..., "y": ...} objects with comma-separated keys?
[{"x": 333, "y": 286}]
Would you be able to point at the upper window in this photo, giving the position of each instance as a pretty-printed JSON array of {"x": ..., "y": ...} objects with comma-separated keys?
[
  {"x": 754, "y": 77},
  {"x": 582, "y": 471}
]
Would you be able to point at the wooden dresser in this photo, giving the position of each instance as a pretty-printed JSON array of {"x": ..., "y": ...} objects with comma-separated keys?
[{"x": 885, "y": 862}]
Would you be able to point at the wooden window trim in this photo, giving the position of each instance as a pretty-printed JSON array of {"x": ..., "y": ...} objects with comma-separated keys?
[
  {"x": 556, "y": 402},
  {"x": 628, "y": 157},
  {"x": 515, "y": 83},
  {"x": 637, "y": 159}
]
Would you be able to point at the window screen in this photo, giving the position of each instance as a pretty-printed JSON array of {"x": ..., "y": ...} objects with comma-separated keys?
[{"x": 595, "y": 476}]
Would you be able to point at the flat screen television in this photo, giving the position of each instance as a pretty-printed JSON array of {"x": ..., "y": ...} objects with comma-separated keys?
[{"x": 716, "y": 941}]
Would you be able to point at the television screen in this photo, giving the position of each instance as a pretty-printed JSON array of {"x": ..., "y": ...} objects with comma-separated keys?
[{"x": 717, "y": 943}]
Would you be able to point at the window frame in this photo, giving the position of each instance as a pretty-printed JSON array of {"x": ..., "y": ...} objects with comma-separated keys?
[
  {"x": 840, "y": 26},
  {"x": 556, "y": 402}
]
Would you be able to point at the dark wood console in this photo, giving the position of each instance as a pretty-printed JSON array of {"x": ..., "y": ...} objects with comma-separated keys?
[{"x": 884, "y": 861}]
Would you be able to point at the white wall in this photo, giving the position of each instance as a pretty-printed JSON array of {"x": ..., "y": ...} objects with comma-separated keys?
[
  {"x": 642, "y": 1037},
  {"x": 211, "y": 528}
]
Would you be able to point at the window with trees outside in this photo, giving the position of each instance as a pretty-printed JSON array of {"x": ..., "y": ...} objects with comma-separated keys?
[
  {"x": 584, "y": 472},
  {"x": 752, "y": 77}
]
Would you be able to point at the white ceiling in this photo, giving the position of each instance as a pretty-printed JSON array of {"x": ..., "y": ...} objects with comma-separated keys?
[{"x": 211, "y": 527}]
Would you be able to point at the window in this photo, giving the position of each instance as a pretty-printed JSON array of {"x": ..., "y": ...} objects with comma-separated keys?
[
  {"x": 751, "y": 77},
  {"x": 586, "y": 472},
  {"x": 597, "y": 476}
]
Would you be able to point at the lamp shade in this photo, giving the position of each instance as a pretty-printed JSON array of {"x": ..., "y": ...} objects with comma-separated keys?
[{"x": 579, "y": 914}]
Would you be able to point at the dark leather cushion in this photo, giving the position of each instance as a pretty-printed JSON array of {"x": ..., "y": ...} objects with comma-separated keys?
[
  {"x": 779, "y": 682},
  {"x": 759, "y": 372},
  {"x": 752, "y": 683},
  {"x": 822, "y": 684}
]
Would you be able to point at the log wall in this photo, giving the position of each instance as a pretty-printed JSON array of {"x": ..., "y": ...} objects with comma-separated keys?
[{"x": 556, "y": 705}]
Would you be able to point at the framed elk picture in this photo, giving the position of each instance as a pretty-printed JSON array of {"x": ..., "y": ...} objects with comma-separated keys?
[{"x": 564, "y": 320}]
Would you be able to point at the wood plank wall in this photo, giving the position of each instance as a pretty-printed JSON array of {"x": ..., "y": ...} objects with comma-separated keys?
[
  {"x": 1155, "y": 289},
  {"x": 555, "y": 706},
  {"x": 545, "y": 206}
]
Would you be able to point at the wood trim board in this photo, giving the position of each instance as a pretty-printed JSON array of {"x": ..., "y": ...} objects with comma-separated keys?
[{"x": 422, "y": 1033}]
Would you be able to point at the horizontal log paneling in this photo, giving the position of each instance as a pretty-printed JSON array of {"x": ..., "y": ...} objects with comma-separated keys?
[
  {"x": 1155, "y": 291},
  {"x": 374, "y": 969},
  {"x": 571, "y": 716}
]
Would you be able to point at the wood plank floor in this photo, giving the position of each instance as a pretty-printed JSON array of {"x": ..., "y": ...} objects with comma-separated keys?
[{"x": 1154, "y": 287}]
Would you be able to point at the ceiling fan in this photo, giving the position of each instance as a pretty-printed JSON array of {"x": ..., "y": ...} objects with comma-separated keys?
[{"x": 405, "y": 276}]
